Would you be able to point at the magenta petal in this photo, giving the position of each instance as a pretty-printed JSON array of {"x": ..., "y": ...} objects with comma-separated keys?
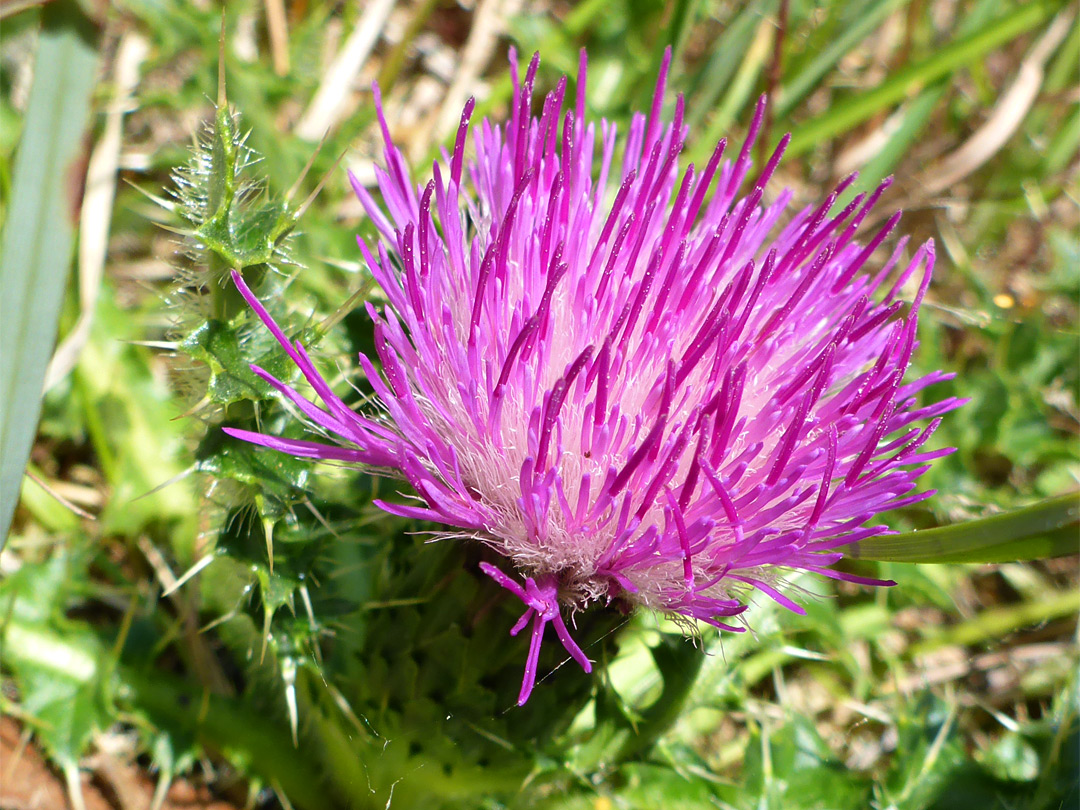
[
  {"x": 299, "y": 447},
  {"x": 531, "y": 663}
]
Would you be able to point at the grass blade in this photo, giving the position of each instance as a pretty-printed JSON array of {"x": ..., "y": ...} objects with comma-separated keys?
[
  {"x": 740, "y": 90},
  {"x": 726, "y": 57},
  {"x": 807, "y": 79},
  {"x": 857, "y": 108},
  {"x": 1047, "y": 529},
  {"x": 35, "y": 253}
]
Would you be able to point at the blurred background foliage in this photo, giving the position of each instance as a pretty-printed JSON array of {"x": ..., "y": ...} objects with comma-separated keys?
[{"x": 184, "y": 618}]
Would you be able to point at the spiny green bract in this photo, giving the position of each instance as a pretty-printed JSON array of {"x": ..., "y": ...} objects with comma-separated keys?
[
  {"x": 231, "y": 222},
  {"x": 314, "y": 592},
  {"x": 235, "y": 223}
]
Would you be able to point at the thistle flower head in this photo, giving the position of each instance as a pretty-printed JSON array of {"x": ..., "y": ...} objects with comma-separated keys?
[{"x": 628, "y": 381}]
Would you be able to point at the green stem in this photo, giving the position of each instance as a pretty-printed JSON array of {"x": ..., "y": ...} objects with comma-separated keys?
[
  {"x": 679, "y": 663},
  {"x": 225, "y": 725}
]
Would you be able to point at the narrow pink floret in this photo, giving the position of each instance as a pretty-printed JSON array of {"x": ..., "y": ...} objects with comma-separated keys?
[{"x": 630, "y": 382}]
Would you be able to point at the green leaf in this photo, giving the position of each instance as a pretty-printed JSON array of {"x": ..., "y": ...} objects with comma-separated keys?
[
  {"x": 67, "y": 710},
  {"x": 1013, "y": 758},
  {"x": 791, "y": 766},
  {"x": 36, "y": 243},
  {"x": 1047, "y": 529},
  {"x": 59, "y": 664},
  {"x": 650, "y": 785}
]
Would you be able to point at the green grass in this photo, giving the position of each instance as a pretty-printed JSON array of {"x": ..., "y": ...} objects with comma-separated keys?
[{"x": 956, "y": 688}]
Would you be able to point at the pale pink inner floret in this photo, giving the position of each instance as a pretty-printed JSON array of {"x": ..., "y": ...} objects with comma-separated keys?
[{"x": 642, "y": 386}]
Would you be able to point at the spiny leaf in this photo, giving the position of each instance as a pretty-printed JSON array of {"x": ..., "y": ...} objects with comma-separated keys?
[
  {"x": 281, "y": 478},
  {"x": 222, "y": 348}
]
